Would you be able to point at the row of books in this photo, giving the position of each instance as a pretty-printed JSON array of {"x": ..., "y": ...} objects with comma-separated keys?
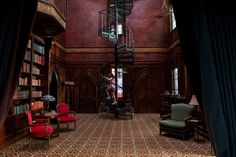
[
  {"x": 35, "y": 70},
  {"x": 22, "y": 108},
  {"x": 36, "y": 94},
  {"x": 23, "y": 81},
  {"x": 38, "y": 59},
  {"x": 29, "y": 44},
  {"x": 36, "y": 82},
  {"x": 38, "y": 48},
  {"x": 28, "y": 55},
  {"x": 25, "y": 68},
  {"x": 36, "y": 105},
  {"x": 21, "y": 94}
]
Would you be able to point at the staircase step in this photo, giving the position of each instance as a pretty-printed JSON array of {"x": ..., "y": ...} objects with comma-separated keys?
[
  {"x": 109, "y": 36},
  {"x": 125, "y": 55},
  {"x": 126, "y": 60},
  {"x": 121, "y": 45}
]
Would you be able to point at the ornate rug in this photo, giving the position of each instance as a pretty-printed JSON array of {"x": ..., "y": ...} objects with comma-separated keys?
[{"x": 106, "y": 136}]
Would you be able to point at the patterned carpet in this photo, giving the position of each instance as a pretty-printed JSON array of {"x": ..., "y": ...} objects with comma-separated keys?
[{"x": 105, "y": 136}]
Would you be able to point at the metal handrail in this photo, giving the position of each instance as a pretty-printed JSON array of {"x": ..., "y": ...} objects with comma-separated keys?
[{"x": 105, "y": 22}]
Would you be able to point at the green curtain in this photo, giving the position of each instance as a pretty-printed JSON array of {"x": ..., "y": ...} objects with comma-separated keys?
[
  {"x": 15, "y": 26},
  {"x": 207, "y": 32}
]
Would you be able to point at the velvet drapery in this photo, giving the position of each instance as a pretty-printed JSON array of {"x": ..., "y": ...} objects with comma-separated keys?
[
  {"x": 16, "y": 23},
  {"x": 207, "y": 32}
]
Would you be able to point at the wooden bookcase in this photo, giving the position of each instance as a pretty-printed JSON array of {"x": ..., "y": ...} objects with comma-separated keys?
[
  {"x": 31, "y": 86},
  {"x": 33, "y": 80}
]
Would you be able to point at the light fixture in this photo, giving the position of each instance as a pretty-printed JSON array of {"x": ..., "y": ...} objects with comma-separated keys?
[
  {"x": 69, "y": 83},
  {"x": 165, "y": 9},
  {"x": 47, "y": 99},
  {"x": 194, "y": 101}
]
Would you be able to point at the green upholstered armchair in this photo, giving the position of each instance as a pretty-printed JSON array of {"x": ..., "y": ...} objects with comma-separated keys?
[{"x": 176, "y": 122}]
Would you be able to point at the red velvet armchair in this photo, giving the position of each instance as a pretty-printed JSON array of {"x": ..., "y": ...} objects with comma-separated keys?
[
  {"x": 38, "y": 130},
  {"x": 65, "y": 115}
]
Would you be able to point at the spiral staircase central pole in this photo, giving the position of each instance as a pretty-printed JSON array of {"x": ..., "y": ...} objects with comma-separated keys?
[{"x": 116, "y": 55}]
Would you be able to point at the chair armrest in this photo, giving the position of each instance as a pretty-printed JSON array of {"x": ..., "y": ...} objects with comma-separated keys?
[
  {"x": 166, "y": 116},
  {"x": 38, "y": 124},
  {"x": 188, "y": 118},
  {"x": 72, "y": 112}
]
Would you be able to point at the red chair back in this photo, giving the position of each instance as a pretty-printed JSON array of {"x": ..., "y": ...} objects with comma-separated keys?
[
  {"x": 29, "y": 116},
  {"x": 63, "y": 108}
]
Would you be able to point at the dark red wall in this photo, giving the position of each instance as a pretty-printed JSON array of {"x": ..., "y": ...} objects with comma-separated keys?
[
  {"x": 82, "y": 23},
  {"x": 148, "y": 30},
  {"x": 61, "y": 38}
]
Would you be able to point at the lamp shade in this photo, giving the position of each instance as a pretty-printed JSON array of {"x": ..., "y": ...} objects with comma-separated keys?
[
  {"x": 48, "y": 98},
  {"x": 194, "y": 101}
]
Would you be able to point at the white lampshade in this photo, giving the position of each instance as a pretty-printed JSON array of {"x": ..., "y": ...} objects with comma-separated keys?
[{"x": 193, "y": 101}]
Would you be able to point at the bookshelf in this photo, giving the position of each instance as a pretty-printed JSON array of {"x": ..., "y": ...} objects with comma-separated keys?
[
  {"x": 33, "y": 81},
  {"x": 31, "y": 86}
]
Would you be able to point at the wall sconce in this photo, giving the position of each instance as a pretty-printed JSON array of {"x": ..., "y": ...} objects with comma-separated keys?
[{"x": 69, "y": 83}]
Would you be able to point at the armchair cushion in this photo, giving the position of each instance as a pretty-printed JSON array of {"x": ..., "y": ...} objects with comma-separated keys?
[
  {"x": 173, "y": 123},
  {"x": 68, "y": 118},
  {"x": 41, "y": 130},
  {"x": 180, "y": 112}
]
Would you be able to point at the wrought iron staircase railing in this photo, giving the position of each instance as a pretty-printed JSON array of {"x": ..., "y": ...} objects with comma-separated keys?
[
  {"x": 112, "y": 26},
  {"x": 121, "y": 36},
  {"x": 124, "y": 7}
]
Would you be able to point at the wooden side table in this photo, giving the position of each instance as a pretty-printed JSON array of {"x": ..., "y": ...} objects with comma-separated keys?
[{"x": 200, "y": 133}]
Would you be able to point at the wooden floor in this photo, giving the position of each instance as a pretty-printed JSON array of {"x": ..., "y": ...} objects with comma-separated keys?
[{"x": 105, "y": 136}]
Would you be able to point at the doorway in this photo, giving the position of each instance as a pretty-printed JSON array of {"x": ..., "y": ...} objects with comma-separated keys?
[{"x": 53, "y": 90}]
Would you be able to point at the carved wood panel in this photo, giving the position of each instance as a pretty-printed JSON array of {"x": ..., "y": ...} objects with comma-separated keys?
[
  {"x": 146, "y": 92},
  {"x": 85, "y": 94}
]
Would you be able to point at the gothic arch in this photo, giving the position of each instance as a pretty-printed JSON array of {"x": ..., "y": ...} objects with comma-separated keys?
[
  {"x": 86, "y": 92},
  {"x": 145, "y": 92},
  {"x": 53, "y": 86}
]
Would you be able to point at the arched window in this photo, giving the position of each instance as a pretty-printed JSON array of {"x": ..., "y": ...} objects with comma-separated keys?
[
  {"x": 120, "y": 72},
  {"x": 172, "y": 20}
]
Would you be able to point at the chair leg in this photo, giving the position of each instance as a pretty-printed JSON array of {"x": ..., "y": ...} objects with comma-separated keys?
[
  {"x": 67, "y": 126},
  {"x": 29, "y": 139},
  {"x": 59, "y": 127},
  {"x": 75, "y": 125},
  {"x": 48, "y": 142}
]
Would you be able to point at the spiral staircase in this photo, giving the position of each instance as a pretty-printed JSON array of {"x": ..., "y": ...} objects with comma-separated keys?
[
  {"x": 112, "y": 26},
  {"x": 121, "y": 35}
]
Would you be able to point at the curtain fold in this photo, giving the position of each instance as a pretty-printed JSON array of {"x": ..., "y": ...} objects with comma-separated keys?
[
  {"x": 15, "y": 26},
  {"x": 207, "y": 32}
]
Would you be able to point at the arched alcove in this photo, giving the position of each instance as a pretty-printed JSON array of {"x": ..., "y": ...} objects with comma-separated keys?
[
  {"x": 85, "y": 93},
  {"x": 145, "y": 93},
  {"x": 53, "y": 90}
]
